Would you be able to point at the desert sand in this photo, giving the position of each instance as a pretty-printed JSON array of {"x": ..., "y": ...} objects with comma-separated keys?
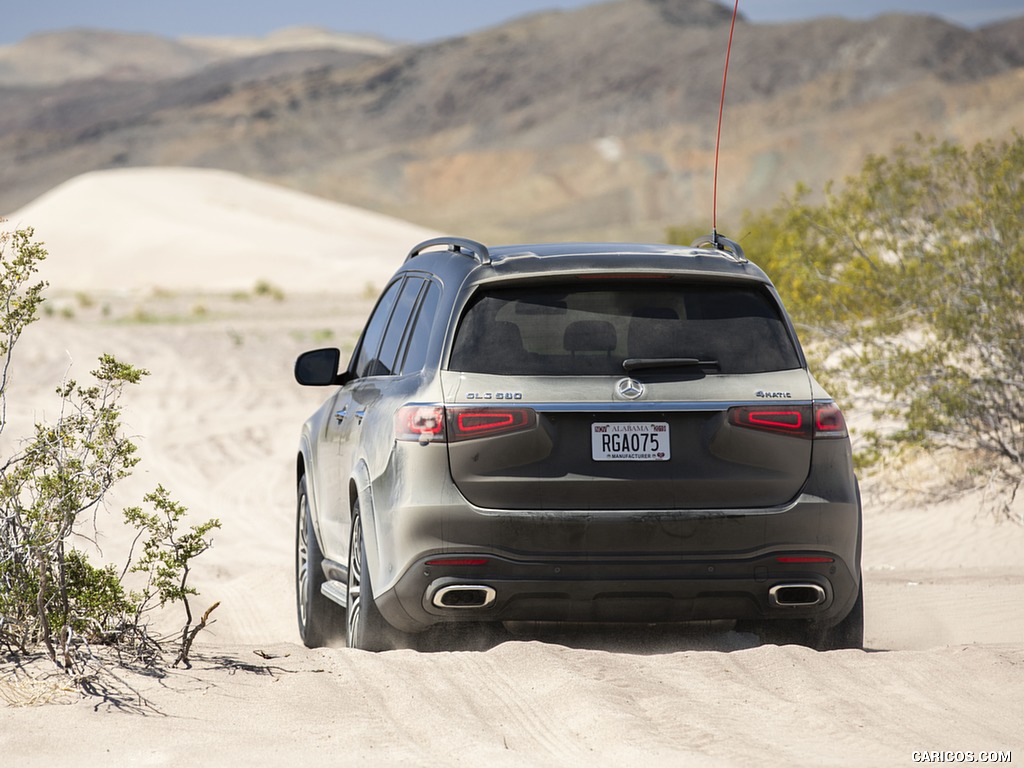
[
  {"x": 159, "y": 267},
  {"x": 175, "y": 229}
]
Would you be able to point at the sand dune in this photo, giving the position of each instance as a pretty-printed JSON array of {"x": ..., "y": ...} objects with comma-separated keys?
[
  {"x": 208, "y": 230},
  {"x": 218, "y": 421}
]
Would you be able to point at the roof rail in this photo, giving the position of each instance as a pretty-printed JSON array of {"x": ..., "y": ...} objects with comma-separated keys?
[
  {"x": 719, "y": 243},
  {"x": 455, "y": 245}
]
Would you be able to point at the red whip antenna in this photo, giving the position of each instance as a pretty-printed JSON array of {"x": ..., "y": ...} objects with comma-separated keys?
[{"x": 718, "y": 139}]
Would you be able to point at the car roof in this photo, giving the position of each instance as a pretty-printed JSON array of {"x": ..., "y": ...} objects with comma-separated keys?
[
  {"x": 544, "y": 250},
  {"x": 465, "y": 256},
  {"x": 477, "y": 262}
]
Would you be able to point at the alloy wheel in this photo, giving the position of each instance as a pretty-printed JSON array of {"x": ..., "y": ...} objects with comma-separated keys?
[
  {"x": 355, "y": 581},
  {"x": 302, "y": 561}
]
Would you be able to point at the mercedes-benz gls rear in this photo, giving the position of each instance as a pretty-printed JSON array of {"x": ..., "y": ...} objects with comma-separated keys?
[{"x": 573, "y": 433}]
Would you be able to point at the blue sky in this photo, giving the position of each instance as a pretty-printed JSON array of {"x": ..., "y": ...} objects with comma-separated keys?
[{"x": 407, "y": 20}]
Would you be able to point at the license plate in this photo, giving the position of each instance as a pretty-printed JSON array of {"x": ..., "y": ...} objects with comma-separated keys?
[{"x": 630, "y": 441}]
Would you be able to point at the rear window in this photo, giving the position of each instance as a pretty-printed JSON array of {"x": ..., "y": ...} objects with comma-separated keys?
[{"x": 592, "y": 329}]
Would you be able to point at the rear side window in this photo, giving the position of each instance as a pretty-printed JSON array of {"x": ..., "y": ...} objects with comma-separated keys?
[
  {"x": 397, "y": 329},
  {"x": 573, "y": 329},
  {"x": 416, "y": 357},
  {"x": 367, "y": 363}
]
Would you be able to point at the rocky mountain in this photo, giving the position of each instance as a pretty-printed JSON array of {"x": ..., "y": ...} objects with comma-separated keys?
[
  {"x": 594, "y": 123},
  {"x": 53, "y": 58}
]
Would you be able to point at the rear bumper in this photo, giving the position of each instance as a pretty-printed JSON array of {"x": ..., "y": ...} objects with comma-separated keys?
[{"x": 637, "y": 567}]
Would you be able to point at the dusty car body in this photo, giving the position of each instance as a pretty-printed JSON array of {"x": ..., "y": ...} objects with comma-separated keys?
[{"x": 572, "y": 433}]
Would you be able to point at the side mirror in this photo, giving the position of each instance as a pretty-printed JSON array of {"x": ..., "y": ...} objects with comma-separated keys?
[{"x": 319, "y": 368}]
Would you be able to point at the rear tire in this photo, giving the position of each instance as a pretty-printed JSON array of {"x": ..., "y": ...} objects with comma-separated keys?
[
  {"x": 847, "y": 634},
  {"x": 320, "y": 620},
  {"x": 365, "y": 628}
]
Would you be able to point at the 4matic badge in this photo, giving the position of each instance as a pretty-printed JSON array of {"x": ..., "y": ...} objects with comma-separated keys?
[{"x": 774, "y": 395}]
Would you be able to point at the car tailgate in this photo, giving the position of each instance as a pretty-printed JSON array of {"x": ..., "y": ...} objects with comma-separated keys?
[{"x": 674, "y": 447}]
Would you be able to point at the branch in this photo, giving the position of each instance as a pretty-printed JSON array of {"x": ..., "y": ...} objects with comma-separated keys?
[{"x": 187, "y": 637}]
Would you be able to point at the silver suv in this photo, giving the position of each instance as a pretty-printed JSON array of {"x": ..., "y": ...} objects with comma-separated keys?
[{"x": 575, "y": 433}]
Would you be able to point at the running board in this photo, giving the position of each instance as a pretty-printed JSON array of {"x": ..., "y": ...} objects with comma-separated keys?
[{"x": 336, "y": 592}]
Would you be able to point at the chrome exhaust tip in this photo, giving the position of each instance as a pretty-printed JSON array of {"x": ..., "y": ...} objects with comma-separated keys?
[
  {"x": 464, "y": 596},
  {"x": 796, "y": 596}
]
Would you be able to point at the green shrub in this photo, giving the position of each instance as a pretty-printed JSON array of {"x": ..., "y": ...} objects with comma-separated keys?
[
  {"x": 50, "y": 594},
  {"x": 907, "y": 281},
  {"x": 266, "y": 289}
]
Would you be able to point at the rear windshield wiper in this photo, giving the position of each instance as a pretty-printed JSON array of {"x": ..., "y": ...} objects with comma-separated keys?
[{"x": 642, "y": 363}]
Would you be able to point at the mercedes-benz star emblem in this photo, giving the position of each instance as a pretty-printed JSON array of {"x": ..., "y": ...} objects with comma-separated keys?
[{"x": 630, "y": 389}]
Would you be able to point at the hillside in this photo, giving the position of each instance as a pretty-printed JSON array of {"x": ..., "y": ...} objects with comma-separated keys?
[
  {"x": 534, "y": 130},
  {"x": 55, "y": 58}
]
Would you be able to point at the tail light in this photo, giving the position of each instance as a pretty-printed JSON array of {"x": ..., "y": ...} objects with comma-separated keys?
[
  {"x": 829, "y": 421},
  {"x": 821, "y": 420},
  {"x": 435, "y": 423},
  {"x": 790, "y": 420},
  {"x": 470, "y": 423},
  {"x": 420, "y": 423}
]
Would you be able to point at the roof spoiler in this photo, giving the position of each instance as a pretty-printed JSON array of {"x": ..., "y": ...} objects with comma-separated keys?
[{"x": 456, "y": 245}]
